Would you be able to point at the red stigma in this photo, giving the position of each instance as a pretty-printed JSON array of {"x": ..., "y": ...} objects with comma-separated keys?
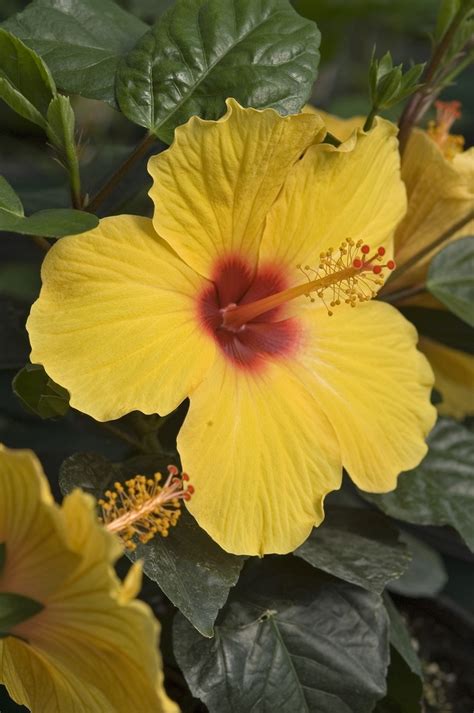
[
  {"x": 391, "y": 264},
  {"x": 357, "y": 263},
  {"x": 365, "y": 249},
  {"x": 381, "y": 251},
  {"x": 185, "y": 476},
  {"x": 172, "y": 470},
  {"x": 377, "y": 269},
  {"x": 190, "y": 489}
]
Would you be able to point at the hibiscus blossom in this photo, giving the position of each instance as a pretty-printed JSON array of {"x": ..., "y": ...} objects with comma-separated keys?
[
  {"x": 92, "y": 647},
  {"x": 259, "y": 231}
]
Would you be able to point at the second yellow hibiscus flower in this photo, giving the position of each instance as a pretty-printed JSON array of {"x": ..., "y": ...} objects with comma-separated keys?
[{"x": 259, "y": 230}]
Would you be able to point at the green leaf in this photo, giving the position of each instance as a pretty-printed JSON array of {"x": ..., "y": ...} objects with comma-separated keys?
[
  {"x": 202, "y": 51},
  {"x": 291, "y": 638},
  {"x": 358, "y": 546},
  {"x": 25, "y": 82},
  {"x": 14, "y": 609},
  {"x": 39, "y": 393},
  {"x": 451, "y": 278},
  {"x": 439, "y": 491},
  {"x": 426, "y": 575},
  {"x": 400, "y": 637},
  {"x": 52, "y": 223},
  {"x": 82, "y": 41},
  {"x": 9, "y": 201},
  {"x": 446, "y": 13},
  {"x": 191, "y": 569},
  {"x": 2, "y": 556}
]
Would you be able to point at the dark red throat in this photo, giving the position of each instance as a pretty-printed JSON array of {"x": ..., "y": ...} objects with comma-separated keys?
[{"x": 267, "y": 337}]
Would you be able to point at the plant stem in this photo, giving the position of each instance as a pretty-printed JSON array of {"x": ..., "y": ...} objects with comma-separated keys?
[
  {"x": 41, "y": 242},
  {"x": 139, "y": 151},
  {"x": 432, "y": 246},
  {"x": 403, "y": 294},
  {"x": 370, "y": 119},
  {"x": 74, "y": 176},
  {"x": 421, "y": 100}
]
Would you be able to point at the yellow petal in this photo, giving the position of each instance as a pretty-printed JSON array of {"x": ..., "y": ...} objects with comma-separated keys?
[
  {"x": 342, "y": 129},
  {"x": 374, "y": 387},
  {"x": 90, "y": 629},
  {"x": 262, "y": 458},
  {"x": 43, "y": 685},
  {"x": 331, "y": 194},
  {"x": 115, "y": 321},
  {"x": 440, "y": 193},
  {"x": 213, "y": 188},
  {"x": 454, "y": 378},
  {"x": 31, "y": 528}
]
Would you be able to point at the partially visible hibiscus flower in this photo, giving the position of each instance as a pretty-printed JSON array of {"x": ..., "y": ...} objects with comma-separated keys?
[
  {"x": 439, "y": 175},
  {"x": 259, "y": 231},
  {"x": 93, "y": 647}
]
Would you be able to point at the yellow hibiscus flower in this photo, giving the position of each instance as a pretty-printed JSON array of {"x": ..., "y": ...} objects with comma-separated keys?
[
  {"x": 439, "y": 176},
  {"x": 209, "y": 301},
  {"x": 93, "y": 647}
]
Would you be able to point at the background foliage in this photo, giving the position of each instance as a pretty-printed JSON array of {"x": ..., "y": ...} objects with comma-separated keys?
[{"x": 310, "y": 628}]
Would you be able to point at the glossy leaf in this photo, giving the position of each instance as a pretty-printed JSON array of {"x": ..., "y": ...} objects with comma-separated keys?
[
  {"x": 191, "y": 569},
  {"x": 52, "y": 223},
  {"x": 290, "y": 639},
  {"x": 82, "y": 41},
  {"x": 202, "y": 51},
  {"x": 439, "y": 491},
  {"x": 26, "y": 84},
  {"x": 358, "y": 546},
  {"x": 15, "y": 608},
  {"x": 39, "y": 393},
  {"x": 451, "y": 278},
  {"x": 426, "y": 575}
]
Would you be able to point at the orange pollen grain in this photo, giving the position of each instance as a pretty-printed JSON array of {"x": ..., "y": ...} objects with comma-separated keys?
[
  {"x": 344, "y": 274},
  {"x": 141, "y": 507}
]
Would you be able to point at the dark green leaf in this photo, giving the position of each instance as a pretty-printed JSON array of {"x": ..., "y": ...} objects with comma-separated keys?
[
  {"x": 400, "y": 637},
  {"x": 191, "y": 569},
  {"x": 426, "y": 575},
  {"x": 9, "y": 200},
  {"x": 291, "y": 638},
  {"x": 52, "y": 223},
  {"x": 82, "y": 41},
  {"x": 358, "y": 546},
  {"x": 451, "y": 278},
  {"x": 15, "y": 608},
  {"x": 404, "y": 688},
  {"x": 446, "y": 14},
  {"x": 439, "y": 491},
  {"x": 25, "y": 82},
  {"x": 202, "y": 51},
  {"x": 2, "y": 556},
  {"x": 39, "y": 393},
  {"x": 442, "y": 326}
]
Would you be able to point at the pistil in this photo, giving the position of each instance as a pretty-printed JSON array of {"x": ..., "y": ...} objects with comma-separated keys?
[{"x": 340, "y": 271}]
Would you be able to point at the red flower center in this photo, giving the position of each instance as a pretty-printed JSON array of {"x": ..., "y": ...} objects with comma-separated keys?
[{"x": 269, "y": 335}]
